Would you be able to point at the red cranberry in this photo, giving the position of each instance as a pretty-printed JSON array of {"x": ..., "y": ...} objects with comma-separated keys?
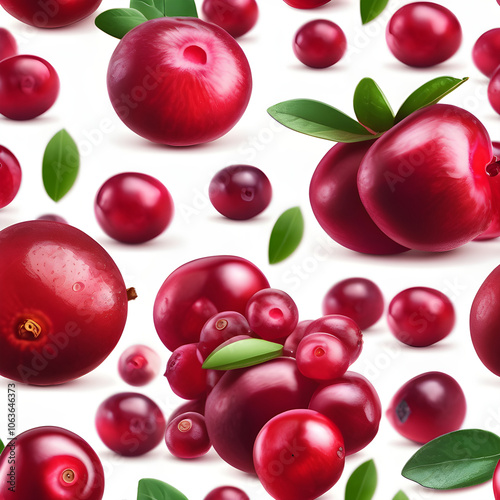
[
  {"x": 193, "y": 405},
  {"x": 336, "y": 204},
  {"x": 237, "y": 17},
  {"x": 427, "y": 406},
  {"x": 50, "y": 14},
  {"x": 164, "y": 81},
  {"x": 8, "y": 44},
  {"x": 299, "y": 455},
  {"x": 306, "y": 4},
  {"x": 227, "y": 493},
  {"x": 272, "y": 314},
  {"x": 138, "y": 365},
  {"x": 496, "y": 482},
  {"x": 292, "y": 341},
  {"x": 74, "y": 303},
  {"x": 49, "y": 463},
  {"x": 53, "y": 218},
  {"x": 187, "y": 437},
  {"x": 133, "y": 207},
  {"x": 196, "y": 291},
  {"x": 486, "y": 52},
  {"x": 319, "y": 43},
  {"x": 10, "y": 176},
  {"x": 493, "y": 90},
  {"x": 29, "y": 86},
  {"x": 130, "y": 424},
  {"x": 423, "y": 34},
  {"x": 240, "y": 192},
  {"x": 421, "y": 316},
  {"x": 352, "y": 404},
  {"x": 358, "y": 298},
  {"x": 399, "y": 187}
]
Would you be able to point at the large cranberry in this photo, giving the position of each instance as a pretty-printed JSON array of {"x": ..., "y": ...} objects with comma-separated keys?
[
  {"x": 50, "y": 13},
  {"x": 245, "y": 399},
  {"x": 179, "y": 81},
  {"x": 486, "y": 52},
  {"x": 64, "y": 303},
  {"x": 197, "y": 290},
  {"x": 420, "y": 188},
  {"x": 50, "y": 463},
  {"x": 10, "y": 176},
  {"x": 237, "y": 17},
  {"x": 336, "y": 204},
  {"x": 8, "y": 44}
]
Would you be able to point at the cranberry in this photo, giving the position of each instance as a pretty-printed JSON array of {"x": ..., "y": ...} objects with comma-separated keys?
[
  {"x": 237, "y": 17},
  {"x": 8, "y": 44},
  {"x": 130, "y": 424},
  {"x": 336, "y": 204},
  {"x": 272, "y": 314},
  {"x": 50, "y": 13},
  {"x": 358, "y": 298},
  {"x": 197, "y": 290},
  {"x": 402, "y": 192},
  {"x": 187, "y": 437},
  {"x": 486, "y": 52},
  {"x": 29, "y": 86},
  {"x": 352, "y": 404},
  {"x": 493, "y": 90},
  {"x": 292, "y": 341},
  {"x": 64, "y": 303},
  {"x": 138, "y": 365},
  {"x": 227, "y": 493},
  {"x": 193, "y": 405},
  {"x": 306, "y": 4},
  {"x": 496, "y": 482},
  {"x": 319, "y": 43},
  {"x": 53, "y": 218},
  {"x": 240, "y": 192},
  {"x": 245, "y": 399},
  {"x": 423, "y": 34},
  {"x": 322, "y": 356},
  {"x": 427, "y": 406},
  {"x": 299, "y": 455},
  {"x": 10, "y": 176},
  {"x": 164, "y": 81},
  {"x": 49, "y": 463},
  {"x": 421, "y": 316},
  {"x": 133, "y": 207}
]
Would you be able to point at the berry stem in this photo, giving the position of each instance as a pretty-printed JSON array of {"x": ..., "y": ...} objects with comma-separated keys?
[
  {"x": 131, "y": 293},
  {"x": 29, "y": 329}
]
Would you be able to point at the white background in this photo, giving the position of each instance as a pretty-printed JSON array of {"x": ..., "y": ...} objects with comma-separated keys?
[{"x": 80, "y": 54}]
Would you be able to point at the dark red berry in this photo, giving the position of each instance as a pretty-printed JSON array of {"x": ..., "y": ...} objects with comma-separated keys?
[{"x": 187, "y": 437}]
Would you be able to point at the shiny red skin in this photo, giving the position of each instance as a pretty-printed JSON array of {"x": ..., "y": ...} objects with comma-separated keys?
[
  {"x": 10, "y": 176},
  {"x": 62, "y": 280},
  {"x": 186, "y": 436},
  {"x": 319, "y": 43},
  {"x": 164, "y": 81},
  {"x": 29, "y": 86},
  {"x": 299, "y": 455},
  {"x": 342, "y": 327},
  {"x": 245, "y": 399},
  {"x": 353, "y": 405},
  {"x": 496, "y": 482},
  {"x": 486, "y": 52},
  {"x": 197, "y": 290},
  {"x": 227, "y": 493},
  {"x": 423, "y": 34},
  {"x": 53, "y": 218},
  {"x": 427, "y": 406},
  {"x": 240, "y": 192},
  {"x": 133, "y": 208},
  {"x": 237, "y": 17},
  {"x": 493, "y": 90},
  {"x": 306, "y": 4},
  {"x": 8, "y": 44},
  {"x": 51, "y": 463},
  {"x": 423, "y": 191},
  {"x": 421, "y": 316},
  {"x": 138, "y": 365},
  {"x": 292, "y": 341},
  {"x": 336, "y": 204},
  {"x": 358, "y": 298},
  {"x": 50, "y": 13},
  {"x": 130, "y": 424},
  {"x": 193, "y": 405}
]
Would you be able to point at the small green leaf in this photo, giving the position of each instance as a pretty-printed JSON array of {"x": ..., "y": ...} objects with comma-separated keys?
[
  {"x": 455, "y": 460},
  {"x": 176, "y": 8},
  {"x": 118, "y": 22},
  {"x": 286, "y": 235},
  {"x": 318, "y": 119},
  {"x": 60, "y": 165},
  {"x": 242, "y": 353},
  {"x": 370, "y": 9},
  {"x": 153, "y": 489},
  {"x": 400, "y": 495},
  {"x": 362, "y": 483},
  {"x": 371, "y": 106},
  {"x": 429, "y": 93},
  {"x": 2, "y": 446},
  {"x": 146, "y": 8}
]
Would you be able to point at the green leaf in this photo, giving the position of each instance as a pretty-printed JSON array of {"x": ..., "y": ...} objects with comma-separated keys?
[
  {"x": 455, "y": 460},
  {"x": 242, "y": 353},
  {"x": 370, "y": 9},
  {"x": 153, "y": 489},
  {"x": 176, "y": 8},
  {"x": 429, "y": 93},
  {"x": 2, "y": 446},
  {"x": 118, "y": 22},
  {"x": 60, "y": 165},
  {"x": 371, "y": 106},
  {"x": 400, "y": 495},
  {"x": 318, "y": 119},
  {"x": 362, "y": 483},
  {"x": 286, "y": 235},
  {"x": 146, "y": 8}
]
